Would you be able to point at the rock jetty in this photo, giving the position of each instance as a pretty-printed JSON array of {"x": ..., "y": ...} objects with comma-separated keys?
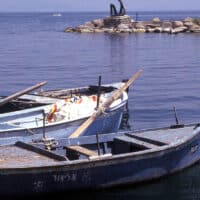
[{"x": 125, "y": 24}]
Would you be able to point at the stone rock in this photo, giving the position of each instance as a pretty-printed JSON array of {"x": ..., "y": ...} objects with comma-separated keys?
[
  {"x": 167, "y": 30},
  {"x": 123, "y": 26},
  {"x": 114, "y": 21},
  {"x": 177, "y": 24},
  {"x": 132, "y": 20},
  {"x": 188, "y": 19},
  {"x": 179, "y": 30},
  {"x": 132, "y": 25},
  {"x": 166, "y": 24},
  {"x": 82, "y": 26},
  {"x": 124, "y": 31},
  {"x": 98, "y": 30},
  {"x": 195, "y": 29},
  {"x": 156, "y": 20},
  {"x": 98, "y": 23},
  {"x": 152, "y": 25},
  {"x": 139, "y": 30},
  {"x": 158, "y": 30},
  {"x": 85, "y": 30},
  {"x": 188, "y": 24},
  {"x": 109, "y": 30},
  {"x": 70, "y": 30},
  {"x": 196, "y": 21},
  {"x": 89, "y": 25},
  {"x": 150, "y": 30},
  {"x": 139, "y": 25}
]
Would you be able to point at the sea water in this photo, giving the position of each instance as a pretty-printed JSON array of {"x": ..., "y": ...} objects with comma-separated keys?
[{"x": 35, "y": 48}]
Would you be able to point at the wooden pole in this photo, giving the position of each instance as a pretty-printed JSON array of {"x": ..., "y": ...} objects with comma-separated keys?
[
  {"x": 20, "y": 93},
  {"x": 99, "y": 92},
  {"x": 104, "y": 106},
  {"x": 98, "y": 145}
]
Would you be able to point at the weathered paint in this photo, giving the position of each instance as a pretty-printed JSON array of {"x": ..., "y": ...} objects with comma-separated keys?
[
  {"x": 108, "y": 122},
  {"x": 27, "y": 125},
  {"x": 103, "y": 171}
]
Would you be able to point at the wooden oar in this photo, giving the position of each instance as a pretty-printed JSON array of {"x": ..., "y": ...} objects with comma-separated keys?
[
  {"x": 20, "y": 93},
  {"x": 104, "y": 106}
]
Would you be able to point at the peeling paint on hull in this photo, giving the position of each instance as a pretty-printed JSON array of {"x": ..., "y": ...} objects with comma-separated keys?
[{"x": 102, "y": 172}]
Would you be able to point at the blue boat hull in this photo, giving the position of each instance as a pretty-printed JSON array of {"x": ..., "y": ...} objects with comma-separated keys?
[
  {"x": 101, "y": 173},
  {"x": 108, "y": 122}
]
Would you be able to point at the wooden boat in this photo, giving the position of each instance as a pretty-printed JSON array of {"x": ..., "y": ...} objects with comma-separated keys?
[
  {"x": 101, "y": 113},
  {"x": 101, "y": 161},
  {"x": 26, "y": 118},
  {"x": 47, "y": 97}
]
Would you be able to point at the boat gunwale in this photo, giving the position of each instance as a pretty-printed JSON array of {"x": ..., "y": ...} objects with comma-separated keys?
[
  {"x": 42, "y": 108},
  {"x": 112, "y": 159}
]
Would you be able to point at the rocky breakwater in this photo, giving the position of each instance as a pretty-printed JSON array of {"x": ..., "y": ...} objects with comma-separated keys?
[{"x": 125, "y": 24}]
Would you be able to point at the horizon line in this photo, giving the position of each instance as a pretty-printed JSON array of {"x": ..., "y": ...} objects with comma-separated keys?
[{"x": 89, "y": 11}]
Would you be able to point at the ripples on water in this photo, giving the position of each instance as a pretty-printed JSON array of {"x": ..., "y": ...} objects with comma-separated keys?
[{"x": 34, "y": 48}]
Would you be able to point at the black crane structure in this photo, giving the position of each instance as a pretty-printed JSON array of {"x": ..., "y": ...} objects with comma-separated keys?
[{"x": 113, "y": 10}]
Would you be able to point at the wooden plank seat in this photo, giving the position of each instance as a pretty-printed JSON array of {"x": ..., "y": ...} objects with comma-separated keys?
[
  {"x": 82, "y": 150},
  {"x": 125, "y": 144},
  {"x": 156, "y": 142},
  {"x": 136, "y": 142},
  {"x": 40, "y": 151}
]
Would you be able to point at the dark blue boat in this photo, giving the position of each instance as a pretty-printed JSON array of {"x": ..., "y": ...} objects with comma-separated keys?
[{"x": 101, "y": 161}]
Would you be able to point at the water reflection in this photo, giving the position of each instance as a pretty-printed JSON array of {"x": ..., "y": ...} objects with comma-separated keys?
[
  {"x": 117, "y": 43},
  {"x": 125, "y": 125},
  {"x": 123, "y": 56}
]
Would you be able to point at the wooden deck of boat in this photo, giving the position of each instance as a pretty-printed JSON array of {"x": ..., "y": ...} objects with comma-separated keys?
[
  {"x": 167, "y": 136},
  {"x": 28, "y": 155},
  {"x": 152, "y": 140},
  {"x": 19, "y": 156}
]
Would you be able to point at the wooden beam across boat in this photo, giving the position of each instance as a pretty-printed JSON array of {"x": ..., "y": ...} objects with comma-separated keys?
[
  {"x": 82, "y": 150},
  {"x": 20, "y": 93},
  {"x": 104, "y": 106},
  {"x": 40, "y": 151},
  {"x": 135, "y": 142},
  {"x": 146, "y": 139}
]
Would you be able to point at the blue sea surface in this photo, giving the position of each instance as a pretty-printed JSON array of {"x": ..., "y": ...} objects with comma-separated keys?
[{"x": 35, "y": 48}]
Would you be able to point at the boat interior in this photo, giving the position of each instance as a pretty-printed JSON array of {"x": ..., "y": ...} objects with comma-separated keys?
[
  {"x": 127, "y": 142},
  {"x": 52, "y": 106},
  {"x": 95, "y": 147},
  {"x": 50, "y": 96}
]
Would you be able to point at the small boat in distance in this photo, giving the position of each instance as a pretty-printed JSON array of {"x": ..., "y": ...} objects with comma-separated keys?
[
  {"x": 101, "y": 161},
  {"x": 57, "y": 14}
]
